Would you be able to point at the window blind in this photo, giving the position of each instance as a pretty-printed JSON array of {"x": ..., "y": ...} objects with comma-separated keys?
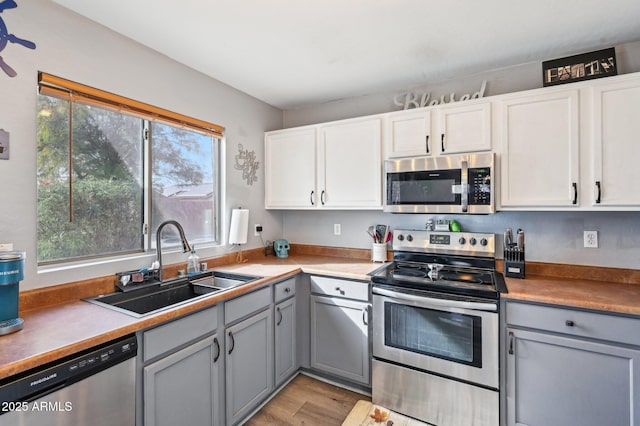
[{"x": 51, "y": 85}]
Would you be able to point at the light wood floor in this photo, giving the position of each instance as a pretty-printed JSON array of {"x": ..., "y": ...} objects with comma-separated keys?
[{"x": 307, "y": 401}]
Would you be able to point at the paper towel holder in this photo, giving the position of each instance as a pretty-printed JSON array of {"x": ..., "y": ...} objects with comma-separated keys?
[
  {"x": 239, "y": 226},
  {"x": 238, "y": 230}
]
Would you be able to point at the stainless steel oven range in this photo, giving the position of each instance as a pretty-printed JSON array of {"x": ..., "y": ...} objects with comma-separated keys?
[{"x": 435, "y": 328}]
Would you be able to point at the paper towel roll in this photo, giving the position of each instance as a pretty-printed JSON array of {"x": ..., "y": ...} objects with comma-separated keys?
[{"x": 239, "y": 226}]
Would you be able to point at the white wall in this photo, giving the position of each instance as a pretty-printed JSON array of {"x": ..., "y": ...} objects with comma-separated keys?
[
  {"x": 75, "y": 48},
  {"x": 555, "y": 237}
]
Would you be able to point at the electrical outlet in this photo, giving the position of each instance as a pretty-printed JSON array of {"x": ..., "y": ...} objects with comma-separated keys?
[
  {"x": 257, "y": 229},
  {"x": 591, "y": 239},
  {"x": 6, "y": 246},
  {"x": 337, "y": 229}
]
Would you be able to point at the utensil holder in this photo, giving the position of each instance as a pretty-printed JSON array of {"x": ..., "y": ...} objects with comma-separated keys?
[
  {"x": 514, "y": 264},
  {"x": 379, "y": 252}
]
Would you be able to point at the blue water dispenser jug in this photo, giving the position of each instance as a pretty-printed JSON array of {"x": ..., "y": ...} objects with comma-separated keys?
[{"x": 11, "y": 273}]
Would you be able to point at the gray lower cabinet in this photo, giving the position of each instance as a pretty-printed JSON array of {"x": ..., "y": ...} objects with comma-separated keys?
[
  {"x": 567, "y": 370},
  {"x": 249, "y": 354},
  {"x": 181, "y": 389},
  {"x": 285, "y": 340},
  {"x": 340, "y": 338},
  {"x": 181, "y": 371}
]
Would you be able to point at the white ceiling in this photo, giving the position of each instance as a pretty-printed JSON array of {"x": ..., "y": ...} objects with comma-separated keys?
[{"x": 292, "y": 53}]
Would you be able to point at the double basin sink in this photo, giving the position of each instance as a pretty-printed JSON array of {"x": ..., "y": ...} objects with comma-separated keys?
[{"x": 170, "y": 293}]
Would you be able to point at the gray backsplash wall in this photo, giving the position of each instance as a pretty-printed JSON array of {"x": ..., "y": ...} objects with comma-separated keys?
[{"x": 554, "y": 237}]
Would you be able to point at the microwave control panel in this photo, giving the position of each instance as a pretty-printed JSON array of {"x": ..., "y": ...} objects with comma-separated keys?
[{"x": 480, "y": 186}]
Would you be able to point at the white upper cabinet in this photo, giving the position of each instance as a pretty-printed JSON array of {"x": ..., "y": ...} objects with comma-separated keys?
[
  {"x": 290, "y": 168},
  {"x": 341, "y": 169},
  {"x": 350, "y": 164},
  {"x": 439, "y": 130},
  {"x": 538, "y": 138},
  {"x": 409, "y": 133},
  {"x": 616, "y": 143},
  {"x": 462, "y": 127}
]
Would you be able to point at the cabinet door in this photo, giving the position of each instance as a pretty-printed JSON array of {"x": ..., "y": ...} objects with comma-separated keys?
[
  {"x": 350, "y": 164},
  {"x": 554, "y": 380},
  {"x": 616, "y": 147},
  {"x": 340, "y": 338},
  {"x": 539, "y": 136},
  {"x": 463, "y": 128},
  {"x": 290, "y": 169},
  {"x": 249, "y": 364},
  {"x": 409, "y": 134},
  {"x": 285, "y": 340},
  {"x": 182, "y": 388}
]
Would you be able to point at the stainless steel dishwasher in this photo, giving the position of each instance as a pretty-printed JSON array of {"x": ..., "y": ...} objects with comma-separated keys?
[{"x": 94, "y": 387}]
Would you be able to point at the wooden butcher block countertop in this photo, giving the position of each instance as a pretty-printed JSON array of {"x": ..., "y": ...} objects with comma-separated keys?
[
  {"x": 69, "y": 326},
  {"x": 57, "y": 323},
  {"x": 605, "y": 289}
]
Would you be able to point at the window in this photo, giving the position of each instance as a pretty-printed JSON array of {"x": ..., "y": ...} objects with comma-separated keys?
[{"x": 105, "y": 171}]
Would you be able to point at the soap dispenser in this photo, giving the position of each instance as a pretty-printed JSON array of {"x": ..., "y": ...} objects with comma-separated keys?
[{"x": 193, "y": 261}]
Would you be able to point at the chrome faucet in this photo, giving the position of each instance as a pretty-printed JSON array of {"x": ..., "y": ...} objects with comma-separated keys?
[{"x": 185, "y": 244}]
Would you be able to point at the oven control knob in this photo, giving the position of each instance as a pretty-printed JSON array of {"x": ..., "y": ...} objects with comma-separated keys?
[
  {"x": 400, "y": 237},
  {"x": 462, "y": 241},
  {"x": 472, "y": 241},
  {"x": 484, "y": 242},
  {"x": 409, "y": 238}
]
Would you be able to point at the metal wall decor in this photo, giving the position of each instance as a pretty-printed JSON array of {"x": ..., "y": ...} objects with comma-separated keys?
[
  {"x": 5, "y": 37},
  {"x": 246, "y": 161},
  {"x": 420, "y": 99}
]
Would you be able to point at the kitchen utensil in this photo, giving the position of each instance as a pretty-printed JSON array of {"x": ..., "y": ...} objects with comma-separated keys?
[
  {"x": 371, "y": 231},
  {"x": 514, "y": 264}
]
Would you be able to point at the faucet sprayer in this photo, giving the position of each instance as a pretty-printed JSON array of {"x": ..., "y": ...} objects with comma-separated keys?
[{"x": 185, "y": 244}]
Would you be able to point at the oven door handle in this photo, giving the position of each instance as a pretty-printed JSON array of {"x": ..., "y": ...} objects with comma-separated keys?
[{"x": 478, "y": 306}]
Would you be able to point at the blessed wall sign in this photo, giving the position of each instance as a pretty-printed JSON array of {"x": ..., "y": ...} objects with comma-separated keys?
[{"x": 409, "y": 100}]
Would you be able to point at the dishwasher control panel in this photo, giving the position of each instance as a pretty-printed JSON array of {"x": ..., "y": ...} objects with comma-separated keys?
[{"x": 41, "y": 380}]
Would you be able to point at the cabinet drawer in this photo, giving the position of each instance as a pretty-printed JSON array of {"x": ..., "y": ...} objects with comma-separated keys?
[
  {"x": 358, "y": 290},
  {"x": 246, "y": 305},
  {"x": 179, "y": 332},
  {"x": 574, "y": 322},
  {"x": 284, "y": 290}
]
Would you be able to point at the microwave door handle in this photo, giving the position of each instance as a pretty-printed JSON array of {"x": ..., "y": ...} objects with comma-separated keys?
[
  {"x": 464, "y": 178},
  {"x": 429, "y": 301}
]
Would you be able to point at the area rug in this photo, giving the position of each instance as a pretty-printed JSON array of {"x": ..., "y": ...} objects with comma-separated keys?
[{"x": 364, "y": 413}]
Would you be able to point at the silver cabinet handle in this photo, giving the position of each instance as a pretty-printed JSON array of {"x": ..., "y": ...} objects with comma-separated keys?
[
  {"x": 287, "y": 290},
  {"x": 511, "y": 338},
  {"x": 279, "y": 319},
  {"x": 322, "y": 197},
  {"x": 365, "y": 315},
  {"x": 311, "y": 198}
]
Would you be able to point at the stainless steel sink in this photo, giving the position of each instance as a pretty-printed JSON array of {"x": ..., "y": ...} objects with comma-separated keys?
[{"x": 161, "y": 296}]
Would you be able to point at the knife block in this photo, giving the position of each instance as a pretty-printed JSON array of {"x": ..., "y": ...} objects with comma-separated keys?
[{"x": 514, "y": 264}]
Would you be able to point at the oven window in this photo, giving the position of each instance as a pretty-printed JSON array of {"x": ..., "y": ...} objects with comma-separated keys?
[
  {"x": 424, "y": 188},
  {"x": 451, "y": 336}
]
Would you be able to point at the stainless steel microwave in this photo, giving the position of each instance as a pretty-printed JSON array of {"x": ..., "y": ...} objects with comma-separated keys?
[{"x": 445, "y": 184}]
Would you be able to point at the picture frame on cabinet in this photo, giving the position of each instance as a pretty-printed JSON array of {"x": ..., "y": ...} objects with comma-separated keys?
[{"x": 585, "y": 66}]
